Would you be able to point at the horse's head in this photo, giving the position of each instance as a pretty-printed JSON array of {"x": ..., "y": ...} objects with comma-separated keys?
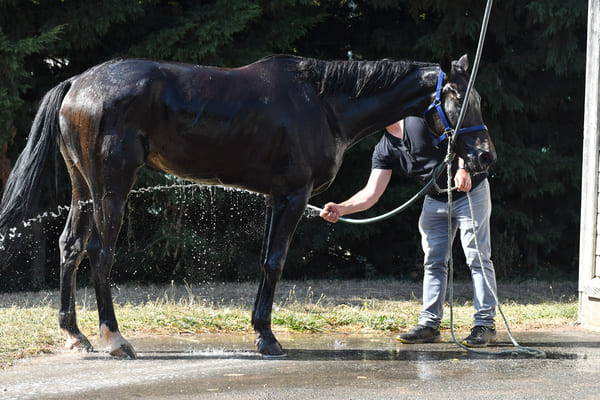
[{"x": 473, "y": 143}]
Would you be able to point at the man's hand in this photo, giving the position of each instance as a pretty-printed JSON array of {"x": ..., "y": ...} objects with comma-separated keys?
[
  {"x": 462, "y": 180},
  {"x": 331, "y": 212}
]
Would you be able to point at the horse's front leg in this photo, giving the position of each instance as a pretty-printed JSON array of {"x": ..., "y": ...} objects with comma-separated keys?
[
  {"x": 101, "y": 260},
  {"x": 282, "y": 217},
  {"x": 116, "y": 168}
]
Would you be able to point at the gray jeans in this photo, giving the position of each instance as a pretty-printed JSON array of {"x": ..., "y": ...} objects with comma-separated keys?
[{"x": 433, "y": 226}]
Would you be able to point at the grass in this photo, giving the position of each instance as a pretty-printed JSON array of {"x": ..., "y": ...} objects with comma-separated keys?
[{"x": 28, "y": 321}]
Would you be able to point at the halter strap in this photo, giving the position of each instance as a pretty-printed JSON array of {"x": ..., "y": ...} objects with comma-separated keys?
[{"x": 448, "y": 130}]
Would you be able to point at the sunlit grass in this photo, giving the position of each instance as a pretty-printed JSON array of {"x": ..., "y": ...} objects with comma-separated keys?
[
  {"x": 33, "y": 329},
  {"x": 25, "y": 331}
]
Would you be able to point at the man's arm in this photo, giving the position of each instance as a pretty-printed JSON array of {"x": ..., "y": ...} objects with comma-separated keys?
[{"x": 362, "y": 200}]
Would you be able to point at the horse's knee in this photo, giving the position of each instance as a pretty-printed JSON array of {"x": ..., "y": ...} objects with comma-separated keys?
[
  {"x": 103, "y": 264},
  {"x": 101, "y": 258},
  {"x": 71, "y": 247},
  {"x": 93, "y": 245},
  {"x": 273, "y": 271}
]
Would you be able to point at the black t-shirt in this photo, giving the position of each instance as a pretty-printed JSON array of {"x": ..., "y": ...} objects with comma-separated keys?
[{"x": 416, "y": 156}]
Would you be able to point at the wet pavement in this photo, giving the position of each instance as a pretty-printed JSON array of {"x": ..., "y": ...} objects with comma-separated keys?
[{"x": 317, "y": 366}]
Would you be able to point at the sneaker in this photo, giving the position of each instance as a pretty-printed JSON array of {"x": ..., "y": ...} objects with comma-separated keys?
[
  {"x": 481, "y": 336},
  {"x": 420, "y": 334}
]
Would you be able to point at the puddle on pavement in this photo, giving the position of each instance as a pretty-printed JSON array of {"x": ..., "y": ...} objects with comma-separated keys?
[
  {"x": 352, "y": 347},
  {"x": 214, "y": 363}
]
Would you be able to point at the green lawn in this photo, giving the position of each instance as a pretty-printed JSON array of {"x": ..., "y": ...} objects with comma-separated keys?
[{"x": 28, "y": 321}]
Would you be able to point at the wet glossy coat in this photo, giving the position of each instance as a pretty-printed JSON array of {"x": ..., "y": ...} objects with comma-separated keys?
[{"x": 279, "y": 126}]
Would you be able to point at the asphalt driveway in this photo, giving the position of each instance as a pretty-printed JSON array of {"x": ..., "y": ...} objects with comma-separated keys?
[{"x": 317, "y": 366}]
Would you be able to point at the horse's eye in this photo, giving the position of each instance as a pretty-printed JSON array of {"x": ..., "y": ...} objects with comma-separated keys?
[{"x": 451, "y": 87}]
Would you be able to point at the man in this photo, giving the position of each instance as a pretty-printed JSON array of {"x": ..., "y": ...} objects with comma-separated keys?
[{"x": 407, "y": 145}]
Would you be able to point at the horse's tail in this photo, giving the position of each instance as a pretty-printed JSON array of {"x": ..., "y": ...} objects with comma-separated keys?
[{"x": 22, "y": 189}]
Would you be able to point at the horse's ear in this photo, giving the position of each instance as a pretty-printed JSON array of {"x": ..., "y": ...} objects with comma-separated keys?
[
  {"x": 446, "y": 64},
  {"x": 463, "y": 63}
]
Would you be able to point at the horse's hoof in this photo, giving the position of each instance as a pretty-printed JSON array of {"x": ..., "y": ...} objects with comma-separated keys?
[
  {"x": 118, "y": 345},
  {"x": 124, "y": 351},
  {"x": 78, "y": 343},
  {"x": 270, "y": 350}
]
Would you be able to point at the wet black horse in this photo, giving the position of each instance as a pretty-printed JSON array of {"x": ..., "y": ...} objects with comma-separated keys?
[{"x": 279, "y": 126}]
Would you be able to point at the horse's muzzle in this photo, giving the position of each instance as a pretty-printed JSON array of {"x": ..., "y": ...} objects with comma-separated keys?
[
  {"x": 486, "y": 159},
  {"x": 480, "y": 160},
  {"x": 477, "y": 149}
]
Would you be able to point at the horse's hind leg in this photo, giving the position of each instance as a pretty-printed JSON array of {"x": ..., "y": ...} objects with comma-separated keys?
[
  {"x": 281, "y": 221},
  {"x": 72, "y": 245},
  {"x": 112, "y": 180}
]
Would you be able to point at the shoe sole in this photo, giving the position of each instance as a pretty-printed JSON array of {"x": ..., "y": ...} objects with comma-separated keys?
[
  {"x": 491, "y": 341},
  {"x": 420, "y": 341}
]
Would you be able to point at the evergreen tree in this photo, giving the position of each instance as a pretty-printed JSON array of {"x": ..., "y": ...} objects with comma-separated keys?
[
  {"x": 532, "y": 83},
  {"x": 531, "y": 80}
]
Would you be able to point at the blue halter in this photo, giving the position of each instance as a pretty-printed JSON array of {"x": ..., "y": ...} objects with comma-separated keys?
[{"x": 448, "y": 130}]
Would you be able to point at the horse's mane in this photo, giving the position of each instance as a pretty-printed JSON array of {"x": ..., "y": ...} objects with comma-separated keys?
[{"x": 361, "y": 78}]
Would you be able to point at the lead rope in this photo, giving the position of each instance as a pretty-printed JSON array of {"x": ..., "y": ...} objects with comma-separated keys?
[
  {"x": 518, "y": 348},
  {"x": 397, "y": 210}
]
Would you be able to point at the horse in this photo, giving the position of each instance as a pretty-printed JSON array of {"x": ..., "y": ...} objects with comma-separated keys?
[{"x": 278, "y": 126}]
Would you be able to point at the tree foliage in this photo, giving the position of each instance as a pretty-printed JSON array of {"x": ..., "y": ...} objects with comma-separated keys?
[{"x": 531, "y": 80}]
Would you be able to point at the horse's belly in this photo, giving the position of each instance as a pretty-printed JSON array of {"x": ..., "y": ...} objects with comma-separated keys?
[
  {"x": 219, "y": 166},
  {"x": 268, "y": 151}
]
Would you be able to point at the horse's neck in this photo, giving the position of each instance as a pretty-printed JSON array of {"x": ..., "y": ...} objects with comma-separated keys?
[{"x": 361, "y": 117}]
